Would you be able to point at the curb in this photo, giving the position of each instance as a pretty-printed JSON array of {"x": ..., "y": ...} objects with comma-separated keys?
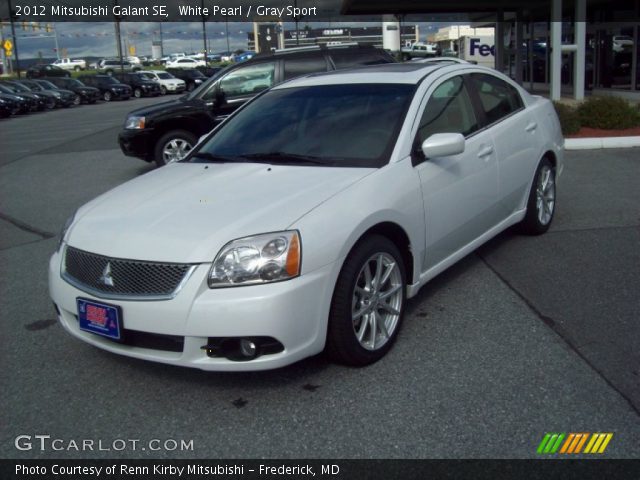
[{"x": 603, "y": 142}]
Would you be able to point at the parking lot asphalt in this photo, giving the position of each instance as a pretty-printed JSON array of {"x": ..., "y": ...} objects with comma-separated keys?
[{"x": 526, "y": 336}]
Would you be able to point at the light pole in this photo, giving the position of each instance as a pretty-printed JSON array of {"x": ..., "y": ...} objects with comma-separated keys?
[{"x": 13, "y": 35}]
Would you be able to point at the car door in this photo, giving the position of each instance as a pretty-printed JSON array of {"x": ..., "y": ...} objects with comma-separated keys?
[
  {"x": 459, "y": 191},
  {"x": 515, "y": 134}
]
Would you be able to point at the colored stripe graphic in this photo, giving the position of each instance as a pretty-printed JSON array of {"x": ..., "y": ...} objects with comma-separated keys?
[
  {"x": 598, "y": 442},
  {"x": 573, "y": 443}
]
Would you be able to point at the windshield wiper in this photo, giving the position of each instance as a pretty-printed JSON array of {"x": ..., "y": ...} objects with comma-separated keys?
[{"x": 284, "y": 157}]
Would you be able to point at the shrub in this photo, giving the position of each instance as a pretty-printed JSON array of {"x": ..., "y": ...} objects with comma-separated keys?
[
  {"x": 569, "y": 118},
  {"x": 609, "y": 113}
]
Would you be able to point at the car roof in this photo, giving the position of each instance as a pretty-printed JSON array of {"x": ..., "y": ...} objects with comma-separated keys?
[{"x": 411, "y": 73}]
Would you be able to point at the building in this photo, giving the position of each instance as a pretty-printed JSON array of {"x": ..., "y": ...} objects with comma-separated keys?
[{"x": 365, "y": 35}]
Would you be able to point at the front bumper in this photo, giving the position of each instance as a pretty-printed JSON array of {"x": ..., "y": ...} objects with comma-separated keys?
[
  {"x": 137, "y": 143},
  {"x": 293, "y": 312},
  {"x": 176, "y": 88}
]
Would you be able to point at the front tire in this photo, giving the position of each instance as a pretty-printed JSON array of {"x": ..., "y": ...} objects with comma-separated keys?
[
  {"x": 163, "y": 90},
  {"x": 107, "y": 96},
  {"x": 173, "y": 146},
  {"x": 137, "y": 93},
  {"x": 542, "y": 200},
  {"x": 368, "y": 303},
  {"x": 77, "y": 100}
]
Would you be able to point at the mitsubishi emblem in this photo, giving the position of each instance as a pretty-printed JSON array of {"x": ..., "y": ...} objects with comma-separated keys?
[{"x": 106, "y": 277}]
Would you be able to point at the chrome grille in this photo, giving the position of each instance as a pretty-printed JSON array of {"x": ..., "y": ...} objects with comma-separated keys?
[{"x": 117, "y": 277}]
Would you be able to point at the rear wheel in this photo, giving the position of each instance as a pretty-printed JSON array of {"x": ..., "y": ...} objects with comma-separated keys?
[
  {"x": 542, "y": 200},
  {"x": 368, "y": 303},
  {"x": 174, "y": 146},
  {"x": 76, "y": 68}
]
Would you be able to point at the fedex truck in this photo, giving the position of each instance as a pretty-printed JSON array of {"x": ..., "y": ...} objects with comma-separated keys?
[{"x": 478, "y": 49}]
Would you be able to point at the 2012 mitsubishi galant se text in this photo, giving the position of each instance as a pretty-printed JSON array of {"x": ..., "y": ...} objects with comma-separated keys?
[{"x": 306, "y": 219}]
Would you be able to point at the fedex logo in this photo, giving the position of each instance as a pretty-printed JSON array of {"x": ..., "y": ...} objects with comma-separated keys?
[{"x": 481, "y": 48}]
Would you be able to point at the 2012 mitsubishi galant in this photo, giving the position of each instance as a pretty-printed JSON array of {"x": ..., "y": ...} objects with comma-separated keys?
[{"x": 306, "y": 219}]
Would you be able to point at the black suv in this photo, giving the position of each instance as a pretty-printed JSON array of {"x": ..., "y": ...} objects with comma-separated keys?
[
  {"x": 109, "y": 87},
  {"x": 192, "y": 77},
  {"x": 87, "y": 94},
  {"x": 165, "y": 132},
  {"x": 141, "y": 85}
]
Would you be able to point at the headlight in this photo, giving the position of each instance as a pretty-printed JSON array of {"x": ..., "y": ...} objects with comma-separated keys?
[
  {"x": 134, "y": 123},
  {"x": 198, "y": 80},
  {"x": 271, "y": 257},
  {"x": 67, "y": 224}
]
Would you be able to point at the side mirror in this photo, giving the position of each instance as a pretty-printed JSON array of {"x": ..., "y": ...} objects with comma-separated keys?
[
  {"x": 220, "y": 98},
  {"x": 443, "y": 145}
]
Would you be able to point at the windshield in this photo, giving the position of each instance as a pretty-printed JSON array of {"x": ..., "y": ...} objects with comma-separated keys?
[
  {"x": 353, "y": 125},
  {"x": 147, "y": 75},
  {"x": 72, "y": 82},
  {"x": 47, "y": 85},
  {"x": 165, "y": 76},
  {"x": 16, "y": 87},
  {"x": 108, "y": 80}
]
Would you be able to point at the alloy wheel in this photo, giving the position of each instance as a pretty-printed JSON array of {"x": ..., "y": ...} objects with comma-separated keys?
[
  {"x": 545, "y": 195},
  {"x": 377, "y": 301},
  {"x": 175, "y": 149}
]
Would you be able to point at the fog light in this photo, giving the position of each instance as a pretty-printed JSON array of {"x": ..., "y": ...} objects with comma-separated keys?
[{"x": 248, "y": 348}]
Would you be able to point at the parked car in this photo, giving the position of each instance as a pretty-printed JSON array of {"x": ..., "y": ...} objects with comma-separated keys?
[
  {"x": 17, "y": 102},
  {"x": 186, "y": 62},
  {"x": 193, "y": 78},
  {"x": 41, "y": 70},
  {"x": 109, "y": 87},
  {"x": 7, "y": 107},
  {"x": 87, "y": 94},
  {"x": 139, "y": 83},
  {"x": 170, "y": 130},
  {"x": 70, "y": 64},
  {"x": 419, "y": 50},
  {"x": 168, "y": 83},
  {"x": 36, "y": 100},
  {"x": 64, "y": 98},
  {"x": 209, "y": 71},
  {"x": 109, "y": 67},
  {"x": 348, "y": 197}
]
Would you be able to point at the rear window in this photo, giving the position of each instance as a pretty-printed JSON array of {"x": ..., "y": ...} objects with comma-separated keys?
[
  {"x": 296, "y": 67},
  {"x": 353, "y": 59}
]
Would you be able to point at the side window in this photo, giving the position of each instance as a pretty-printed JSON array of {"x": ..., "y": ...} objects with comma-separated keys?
[
  {"x": 296, "y": 67},
  {"x": 346, "y": 60},
  {"x": 497, "y": 97},
  {"x": 248, "y": 80},
  {"x": 449, "y": 110}
]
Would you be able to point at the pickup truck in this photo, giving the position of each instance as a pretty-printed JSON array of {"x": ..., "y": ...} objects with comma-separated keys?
[
  {"x": 70, "y": 64},
  {"x": 418, "y": 50}
]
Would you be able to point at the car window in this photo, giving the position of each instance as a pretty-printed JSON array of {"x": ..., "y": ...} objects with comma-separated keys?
[
  {"x": 347, "y": 125},
  {"x": 347, "y": 60},
  {"x": 497, "y": 97},
  {"x": 449, "y": 110},
  {"x": 248, "y": 80},
  {"x": 296, "y": 67}
]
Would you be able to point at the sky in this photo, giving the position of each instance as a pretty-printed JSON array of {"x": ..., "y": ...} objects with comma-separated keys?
[{"x": 84, "y": 39}]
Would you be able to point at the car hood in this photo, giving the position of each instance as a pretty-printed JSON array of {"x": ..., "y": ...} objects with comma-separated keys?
[
  {"x": 87, "y": 90},
  {"x": 118, "y": 85},
  {"x": 159, "y": 108},
  {"x": 187, "y": 212}
]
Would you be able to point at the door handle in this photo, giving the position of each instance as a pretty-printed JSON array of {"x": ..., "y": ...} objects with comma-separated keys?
[
  {"x": 531, "y": 127},
  {"x": 486, "y": 151}
]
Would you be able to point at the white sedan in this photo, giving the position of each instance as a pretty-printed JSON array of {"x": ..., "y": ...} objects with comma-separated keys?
[
  {"x": 305, "y": 221},
  {"x": 186, "y": 62}
]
